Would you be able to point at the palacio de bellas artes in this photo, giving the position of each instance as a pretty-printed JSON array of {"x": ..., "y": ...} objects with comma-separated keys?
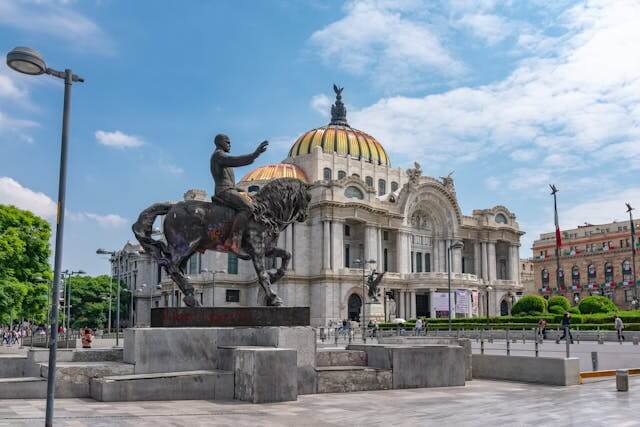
[{"x": 401, "y": 221}]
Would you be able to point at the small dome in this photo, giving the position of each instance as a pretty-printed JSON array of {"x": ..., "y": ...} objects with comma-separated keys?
[
  {"x": 339, "y": 137},
  {"x": 281, "y": 170}
]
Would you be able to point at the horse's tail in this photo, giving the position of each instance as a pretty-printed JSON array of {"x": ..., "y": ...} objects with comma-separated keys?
[{"x": 143, "y": 229}]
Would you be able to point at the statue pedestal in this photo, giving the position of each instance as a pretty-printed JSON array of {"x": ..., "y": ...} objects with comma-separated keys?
[
  {"x": 375, "y": 312},
  {"x": 181, "y": 317}
]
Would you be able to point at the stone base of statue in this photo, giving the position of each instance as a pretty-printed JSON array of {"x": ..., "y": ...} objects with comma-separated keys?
[
  {"x": 180, "y": 317},
  {"x": 375, "y": 312}
]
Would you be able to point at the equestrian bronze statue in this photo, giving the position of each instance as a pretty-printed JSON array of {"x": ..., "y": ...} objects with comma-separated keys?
[{"x": 233, "y": 221}]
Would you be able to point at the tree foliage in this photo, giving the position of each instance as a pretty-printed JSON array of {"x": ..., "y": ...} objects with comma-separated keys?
[
  {"x": 90, "y": 301},
  {"x": 529, "y": 304},
  {"x": 559, "y": 300},
  {"x": 597, "y": 304}
]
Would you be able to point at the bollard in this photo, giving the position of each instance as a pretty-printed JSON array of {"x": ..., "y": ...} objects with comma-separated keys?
[
  {"x": 622, "y": 379},
  {"x": 349, "y": 332},
  {"x": 594, "y": 360},
  {"x": 336, "y": 336},
  {"x": 635, "y": 340},
  {"x": 578, "y": 334},
  {"x": 523, "y": 339},
  {"x": 480, "y": 337},
  {"x": 481, "y": 346},
  {"x": 536, "y": 344},
  {"x": 490, "y": 336},
  {"x": 508, "y": 342},
  {"x": 567, "y": 340},
  {"x": 600, "y": 338}
]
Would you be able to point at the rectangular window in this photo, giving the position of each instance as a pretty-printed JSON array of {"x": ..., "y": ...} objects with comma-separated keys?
[
  {"x": 232, "y": 263},
  {"x": 385, "y": 235},
  {"x": 232, "y": 295},
  {"x": 419, "y": 262},
  {"x": 412, "y": 263},
  {"x": 386, "y": 259},
  {"x": 427, "y": 262},
  {"x": 347, "y": 256},
  {"x": 347, "y": 230}
]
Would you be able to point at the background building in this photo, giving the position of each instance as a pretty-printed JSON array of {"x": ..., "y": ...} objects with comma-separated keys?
[
  {"x": 594, "y": 260},
  {"x": 527, "y": 277},
  {"x": 363, "y": 208}
]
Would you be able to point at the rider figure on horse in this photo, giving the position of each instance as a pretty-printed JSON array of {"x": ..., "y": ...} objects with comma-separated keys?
[{"x": 222, "y": 165}]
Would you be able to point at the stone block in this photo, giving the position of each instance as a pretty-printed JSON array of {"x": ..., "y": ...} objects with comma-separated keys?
[
  {"x": 541, "y": 370},
  {"x": 622, "y": 380},
  {"x": 73, "y": 378},
  {"x": 343, "y": 379},
  {"x": 330, "y": 357},
  {"x": 12, "y": 365},
  {"x": 192, "y": 385},
  {"x": 181, "y": 317},
  {"x": 264, "y": 374},
  {"x": 23, "y": 388}
]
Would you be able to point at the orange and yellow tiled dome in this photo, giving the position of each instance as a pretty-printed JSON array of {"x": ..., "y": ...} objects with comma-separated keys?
[
  {"x": 281, "y": 170},
  {"x": 339, "y": 137}
]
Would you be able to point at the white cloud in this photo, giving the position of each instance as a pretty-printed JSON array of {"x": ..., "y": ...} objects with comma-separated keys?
[
  {"x": 54, "y": 19},
  {"x": 491, "y": 28},
  {"x": 170, "y": 168},
  {"x": 492, "y": 183},
  {"x": 322, "y": 104},
  {"x": 601, "y": 208},
  {"x": 523, "y": 155},
  {"x": 383, "y": 41},
  {"x": 118, "y": 139},
  {"x": 13, "y": 193},
  {"x": 8, "y": 88},
  {"x": 582, "y": 96}
]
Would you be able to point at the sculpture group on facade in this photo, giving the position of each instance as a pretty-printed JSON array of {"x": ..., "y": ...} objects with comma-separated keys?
[{"x": 233, "y": 221}]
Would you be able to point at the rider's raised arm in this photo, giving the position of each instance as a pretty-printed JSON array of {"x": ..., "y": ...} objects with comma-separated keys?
[{"x": 234, "y": 161}]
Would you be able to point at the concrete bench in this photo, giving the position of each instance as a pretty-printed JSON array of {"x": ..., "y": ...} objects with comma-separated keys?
[
  {"x": 23, "y": 388},
  {"x": 529, "y": 369},
  {"x": 191, "y": 385},
  {"x": 12, "y": 365},
  {"x": 342, "y": 379},
  {"x": 261, "y": 374}
]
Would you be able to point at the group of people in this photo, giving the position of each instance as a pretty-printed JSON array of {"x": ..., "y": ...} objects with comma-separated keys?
[
  {"x": 11, "y": 336},
  {"x": 565, "y": 324}
]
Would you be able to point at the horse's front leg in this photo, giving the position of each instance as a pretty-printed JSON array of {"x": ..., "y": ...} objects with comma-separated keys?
[
  {"x": 257, "y": 252},
  {"x": 285, "y": 256}
]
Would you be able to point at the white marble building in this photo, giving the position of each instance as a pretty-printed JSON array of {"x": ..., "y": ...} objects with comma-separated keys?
[{"x": 362, "y": 207}]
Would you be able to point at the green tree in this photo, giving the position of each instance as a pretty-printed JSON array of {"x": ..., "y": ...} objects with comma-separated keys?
[
  {"x": 529, "y": 304},
  {"x": 90, "y": 301},
  {"x": 597, "y": 304},
  {"x": 34, "y": 304},
  {"x": 12, "y": 294},
  {"x": 24, "y": 245}
]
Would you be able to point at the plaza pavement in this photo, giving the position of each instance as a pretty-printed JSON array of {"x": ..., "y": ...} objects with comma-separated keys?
[{"x": 479, "y": 403}]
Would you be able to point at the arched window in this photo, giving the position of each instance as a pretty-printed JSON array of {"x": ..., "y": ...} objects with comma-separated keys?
[
  {"x": 575, "y": 276},
  {"x": 394, "y": 186},
  {"x": 354, "y": 305},
  {"x": 545, "y": 278},
  {"x": 353, "y": 193},
  {"x": 591, "y": 274},
  {"x": 342, "y": 174},
  {"x": 608, "y": 272},
  {"x": 626, "y": 270},
  {"x": 501, "y": 219},
  {"x": 382, "y": 187},
  {"x": 253, "y": 188},
  {"x": 369, "y": 181},
  {"x": 355, "y": 175},
  {"x": 326, "y": 174}
]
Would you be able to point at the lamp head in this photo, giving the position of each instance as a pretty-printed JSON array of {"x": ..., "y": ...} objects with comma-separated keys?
[{"x": 26, "y": 61}]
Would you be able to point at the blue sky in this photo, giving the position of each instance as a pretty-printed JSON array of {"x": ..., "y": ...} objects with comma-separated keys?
[{"x": 512, "y": 95}]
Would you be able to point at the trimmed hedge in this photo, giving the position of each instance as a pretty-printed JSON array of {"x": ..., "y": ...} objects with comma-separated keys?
[
  {"x": 558, "y": 301},
  {"x": 557, "y": 309},
  {"x": 529, "y": 304},
  {"x": 597, "y": 304}
]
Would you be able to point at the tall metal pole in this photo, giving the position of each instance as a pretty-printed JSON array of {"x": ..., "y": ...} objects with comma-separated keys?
[
  {"x": 69, "y": 305},
  {"x": 110, "y": 298},
  {"x": 449, "y": 282},
  {"x": 62, "y": 185},
  {"x": 364, "y": 305},
  {"x": 118, "y": 313},
  {"x": 633, "y": 250},
  {"x": 554, "y": 190}
]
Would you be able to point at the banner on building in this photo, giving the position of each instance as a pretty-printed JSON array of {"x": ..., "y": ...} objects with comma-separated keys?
[
  {"x": 474, "y": 302},
  {"x": 441, "y": 304},
  {"x": 462, "y": 302}
]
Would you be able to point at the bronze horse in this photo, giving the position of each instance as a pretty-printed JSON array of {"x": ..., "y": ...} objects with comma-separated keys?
[{"x": 196, "y": 226}]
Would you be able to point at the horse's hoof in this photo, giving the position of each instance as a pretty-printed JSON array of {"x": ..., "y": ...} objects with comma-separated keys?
[
  {"x": 275, "y": 301},
  {"x": 190, "y": 301}
]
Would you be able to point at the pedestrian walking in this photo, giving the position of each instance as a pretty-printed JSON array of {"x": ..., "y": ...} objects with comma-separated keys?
[
  {"x": 566, "y": 327},
  {"x": 87, "y": 338},
  {"x": 619, "y": 328},
  {"x": 542, "y": 327},
  {"x": 418, "y": 328}
]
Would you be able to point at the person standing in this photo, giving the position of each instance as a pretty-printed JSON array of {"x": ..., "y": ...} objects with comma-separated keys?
[
  {"x": 418, "y": 327},
  {"x": 566, "y": 327},
  {"x": 542, "y": 327},
  {"x": 619, "y": 328}
]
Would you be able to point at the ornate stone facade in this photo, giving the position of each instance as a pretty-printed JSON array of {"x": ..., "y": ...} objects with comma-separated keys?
[{"x": 362, "y": 208}]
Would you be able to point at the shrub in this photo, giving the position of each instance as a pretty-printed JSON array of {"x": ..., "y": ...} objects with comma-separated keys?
[
  {"x": 559, "y": 301},
  {"x": 597, "y": 304},
  {"x": 574, "y": 310},
  {"x": 557, "y": 309},
  {"x": 529, "y": 304}
]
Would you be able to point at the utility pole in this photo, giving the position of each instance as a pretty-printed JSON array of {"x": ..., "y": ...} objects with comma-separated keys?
[{"x": 554, "y": 190}]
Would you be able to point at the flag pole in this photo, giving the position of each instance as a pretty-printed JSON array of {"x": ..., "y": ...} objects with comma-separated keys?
[
  {"x": 554, "y": 190},
  {"x": 633, "y": 250}
]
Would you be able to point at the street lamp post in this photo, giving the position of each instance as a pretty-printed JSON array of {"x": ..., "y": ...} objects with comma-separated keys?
[
  {"x": 213, "y": 283},
  {"x": 489, "y": 288},
  {"x": 364, "y": 295},
  {"x": 633, "y": 250},
  {"x": 455, "y": 245},
  {"x": 554, "y": 190},
  {"x": 28, "y": 61},
  {"x": 68, "y": 275}
]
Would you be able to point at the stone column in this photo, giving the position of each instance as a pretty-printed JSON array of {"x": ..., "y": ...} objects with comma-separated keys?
[
  {"x": 401, "y": 304},
  {"x": 432, "y": 307},
  {"x": 476, "y": 258},
  {"x": 434, "y": 254},
  {"x": 491, "y": 252},
  {"x": 412, "y": 301},
  {"x": 456, "y": 261},
  {"x": 443, "y": 255},
  {"x": 326, "y": 246},
  {"x": 485, "y": 261},
  {"x": 514, "y": 263},
  {"x": 370, "y": 243},
  {"x": 337, "y": 245},
  {"x": 380, "y": 256},
  {"x": 402, "y": 257}
]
